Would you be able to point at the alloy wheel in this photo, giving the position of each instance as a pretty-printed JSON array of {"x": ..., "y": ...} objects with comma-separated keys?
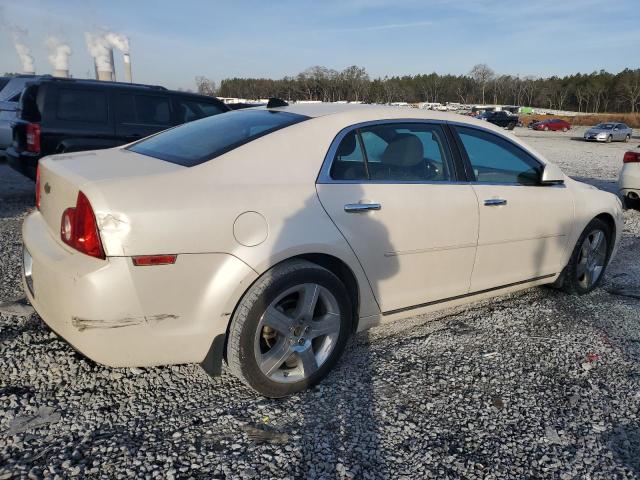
[
  {"x": 592, "y": 258},
  {"x": 297, "y": 333}
]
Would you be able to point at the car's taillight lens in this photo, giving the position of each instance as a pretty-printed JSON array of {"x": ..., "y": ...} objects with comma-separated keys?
[
  {"x": 38, "y": 187},
  {"x": 631, "y": 157},
  {"x": 78, "y": 228},
  {"x": 33, "y": 137}
]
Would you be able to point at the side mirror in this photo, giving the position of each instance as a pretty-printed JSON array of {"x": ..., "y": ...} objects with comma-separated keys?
[{"x": 551, "y": 175}]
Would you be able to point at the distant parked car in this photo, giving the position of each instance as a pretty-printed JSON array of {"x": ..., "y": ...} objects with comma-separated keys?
[
  {"x": 69, "y": 115},
  {"x": 629, "y": 181},
  {"x": 10, "y": 90},
  {"x": 609, "y": 132},
  {"x": 553, "y": 124},
  {"x": 266, "y": 237},
  {"x": 502, "y": 119}
]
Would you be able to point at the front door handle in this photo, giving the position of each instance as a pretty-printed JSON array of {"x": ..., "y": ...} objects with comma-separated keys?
[
  {"x": 361, "y": 207},
  {"x": 494, "y": 202}
]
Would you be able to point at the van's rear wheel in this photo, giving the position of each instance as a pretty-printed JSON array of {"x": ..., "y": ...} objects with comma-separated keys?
[{"x": 289, "y": 329}]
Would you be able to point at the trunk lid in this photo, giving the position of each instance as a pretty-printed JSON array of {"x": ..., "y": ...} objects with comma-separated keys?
[{"x": 63, "y": 176}]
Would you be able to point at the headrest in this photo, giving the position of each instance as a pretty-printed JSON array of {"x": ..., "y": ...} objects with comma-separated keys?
[
  {"x": 347, "y": 145},
  {"x": 405, "y": 150}
]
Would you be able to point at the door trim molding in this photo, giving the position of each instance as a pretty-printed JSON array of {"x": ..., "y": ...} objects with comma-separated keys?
[{"x": 466, "y": 295}]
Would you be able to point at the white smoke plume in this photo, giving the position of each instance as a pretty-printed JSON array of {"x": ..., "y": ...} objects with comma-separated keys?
[
  {"x": 118, "y": 41},
  {"x": 59, "y": 53},
  {"x": 24, "y": 52},
  {"x": 99, "y": 47},
  {"x": 101, "y": 42}
]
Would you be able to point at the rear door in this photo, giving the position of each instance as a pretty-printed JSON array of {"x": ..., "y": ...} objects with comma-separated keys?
[
  {"x": 524, "y": 226},
  {"x": 140, "y": 114},
  {"x": 392, "y": 189}
]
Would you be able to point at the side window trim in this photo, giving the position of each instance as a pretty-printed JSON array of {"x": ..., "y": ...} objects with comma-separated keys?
[
  {"x": 324, "y": 176},
  {"x": 467, "y": 161}
]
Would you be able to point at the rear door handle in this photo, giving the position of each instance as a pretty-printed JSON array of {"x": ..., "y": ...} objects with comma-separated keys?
[
  {"x": 361, "y": 207},
  {"x": 494, "y": 202}
]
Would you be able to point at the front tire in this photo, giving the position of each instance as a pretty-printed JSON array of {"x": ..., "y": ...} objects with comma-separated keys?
[
  {"x": 546, "y": 129},
  {"x": 627, "y": 138},
  {"x": 289, "y": 329},
  {"x": 609, "y": 138},
  {"x": 589, "y": 259}
]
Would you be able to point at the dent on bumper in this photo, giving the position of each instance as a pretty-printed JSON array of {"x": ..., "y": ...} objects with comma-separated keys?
[{"x": 121, "y": 315}]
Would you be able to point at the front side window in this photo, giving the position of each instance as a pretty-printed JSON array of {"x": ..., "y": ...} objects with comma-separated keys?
[
  {"x": 201, "y": 140},
  {"x": 496, "y": 160},
  {"x": 396, "y": 152},
  {"x": 189, "y": 110},
  {"x": 82, "y": 106}
]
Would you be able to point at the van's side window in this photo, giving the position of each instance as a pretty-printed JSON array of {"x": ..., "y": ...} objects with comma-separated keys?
[
  {"x": 143, "y": 110},
  {"x": 82, "y": 106}
]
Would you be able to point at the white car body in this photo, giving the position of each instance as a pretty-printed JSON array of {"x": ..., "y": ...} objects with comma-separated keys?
[
  {"x": 629, "y": 180},
  {"x": 231, "y": 219}
]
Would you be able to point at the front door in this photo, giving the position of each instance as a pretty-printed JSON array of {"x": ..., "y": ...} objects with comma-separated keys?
[
  {"x": 392, "y": 191},
  {"x": 524, "y": 226}
]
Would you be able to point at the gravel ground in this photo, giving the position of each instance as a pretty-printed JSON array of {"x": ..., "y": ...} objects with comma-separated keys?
[{"x": 533, "y": 385}]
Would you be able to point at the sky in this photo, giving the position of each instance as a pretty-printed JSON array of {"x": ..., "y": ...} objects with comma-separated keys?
[{"x": 172, "y": 42}]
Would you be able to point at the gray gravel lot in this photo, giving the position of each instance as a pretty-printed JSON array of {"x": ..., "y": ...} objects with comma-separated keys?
[{"x": 533, "y": 385}]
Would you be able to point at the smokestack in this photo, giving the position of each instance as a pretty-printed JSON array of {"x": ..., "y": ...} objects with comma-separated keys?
[
  {"x": 127, "y": 68},
  {"x": 113, "y": 65},
  {"x": 59, "y": 53}
]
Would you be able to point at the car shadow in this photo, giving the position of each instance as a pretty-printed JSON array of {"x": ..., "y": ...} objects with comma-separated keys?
[{"x": 340, "y": 430}]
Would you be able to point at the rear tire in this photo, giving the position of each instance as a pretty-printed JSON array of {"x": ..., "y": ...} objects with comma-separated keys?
[
  {"x": 274, "y": 343},
  {"x": 627, "y": 138},
  {"x": 589, "y": 259},
  {"x": 565, "y": 129}
]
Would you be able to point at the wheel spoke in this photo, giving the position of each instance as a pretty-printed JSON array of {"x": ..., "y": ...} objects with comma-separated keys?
[
  {"x": 275, "y": 357},
  {"x": 277, "y": 320},
  {"x": 582, "y": 266},
  {"x": 308, "y": 361},
  {"x": 328, "y": 324},
  {"x": 308, "y": 300},
  {"x": 597, "y": 240},
  {"x": 588, "y": 277}
]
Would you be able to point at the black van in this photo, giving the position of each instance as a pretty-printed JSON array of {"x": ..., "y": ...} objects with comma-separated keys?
[{"x": 68, "y": 115}]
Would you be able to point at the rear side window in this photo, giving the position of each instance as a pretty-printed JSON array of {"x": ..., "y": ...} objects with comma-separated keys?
[
  {"x": 144, "y": 110},
  {"x": 82, "y": 106},
  {"x": 396, "y": 152},
  {"x": 189, "y": 110},
  {"x": 201, "y": 140}
]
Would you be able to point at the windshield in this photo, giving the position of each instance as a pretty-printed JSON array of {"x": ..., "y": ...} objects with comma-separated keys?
[
  {"x": 199, "y": 141},
  {"x": 605, "y": 126}
]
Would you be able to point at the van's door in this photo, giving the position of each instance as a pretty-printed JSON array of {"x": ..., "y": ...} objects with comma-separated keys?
[{"x": 140, "y": 114}]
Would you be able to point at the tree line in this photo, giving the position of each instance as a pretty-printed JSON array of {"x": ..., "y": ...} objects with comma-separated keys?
[{"x": 593, "y": 92}]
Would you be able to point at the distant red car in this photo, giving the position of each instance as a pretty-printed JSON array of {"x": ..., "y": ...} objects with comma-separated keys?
[{"x": 552, "y": 124}]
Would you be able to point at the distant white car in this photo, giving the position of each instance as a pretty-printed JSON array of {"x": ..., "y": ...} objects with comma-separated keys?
[
  {"x": 629, "y": 180},
  {"x": 267, "y": 236}
]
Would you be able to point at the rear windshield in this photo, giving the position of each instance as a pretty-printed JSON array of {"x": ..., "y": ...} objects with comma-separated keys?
[{"x": 196, "y": 142}]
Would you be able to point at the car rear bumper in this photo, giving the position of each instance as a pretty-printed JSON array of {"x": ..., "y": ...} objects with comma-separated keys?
[
  {"x": 23, "y": 162},
  {"x": 121, "y": 315}
]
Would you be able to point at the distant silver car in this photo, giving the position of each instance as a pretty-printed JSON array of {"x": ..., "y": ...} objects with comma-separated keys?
[{"x": 608, "y": 132}]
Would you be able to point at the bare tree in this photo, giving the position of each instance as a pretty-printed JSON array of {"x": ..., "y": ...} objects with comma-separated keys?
[
  {"x": 205, "y": 86},
  {"x": 630, "y": 87},
  {"x": 482, "y": 75}
]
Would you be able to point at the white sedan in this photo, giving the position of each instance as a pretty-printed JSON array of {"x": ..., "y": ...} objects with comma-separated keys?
[
  {"x": 629, "y": 180},
  {"x": 266, "y": 237}
]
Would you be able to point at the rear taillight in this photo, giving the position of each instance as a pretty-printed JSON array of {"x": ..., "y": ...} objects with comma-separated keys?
[
  {"x": 38, "y": 187},
  {"x": 631, "y": 157},
  {"x": 79, "y": 230},
  {"x": 33, "y": 137}
]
